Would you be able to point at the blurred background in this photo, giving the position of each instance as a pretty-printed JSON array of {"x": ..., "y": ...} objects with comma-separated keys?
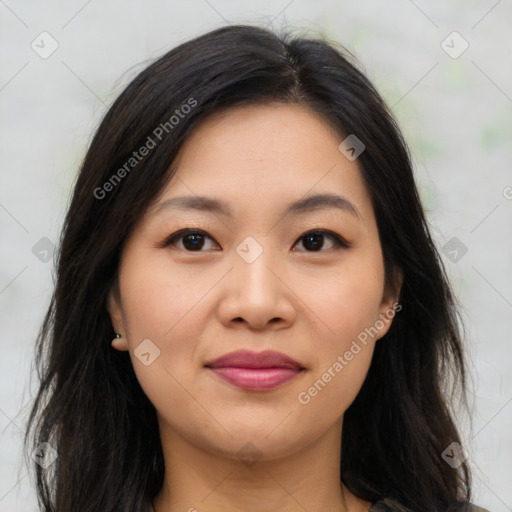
[{"x": 442, "y": 68}]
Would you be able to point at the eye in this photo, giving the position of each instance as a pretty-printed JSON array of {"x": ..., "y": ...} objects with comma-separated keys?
[
  {"x": 191, "y": 239},
  {"x": 194, "y": 240},
  {"x": 313, "y": 241}
]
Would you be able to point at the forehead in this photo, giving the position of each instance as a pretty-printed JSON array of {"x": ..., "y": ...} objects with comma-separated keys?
[
  {"x": 261, "y": 156},
  {"x": 266, "y": 132}
]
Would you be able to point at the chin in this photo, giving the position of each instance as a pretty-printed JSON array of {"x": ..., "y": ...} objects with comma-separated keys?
[{"x": 256, "y": 444}]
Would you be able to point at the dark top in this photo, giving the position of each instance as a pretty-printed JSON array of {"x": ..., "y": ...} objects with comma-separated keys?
[{"x": 387, "y": 505}]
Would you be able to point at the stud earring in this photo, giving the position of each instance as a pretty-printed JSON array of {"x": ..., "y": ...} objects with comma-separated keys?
[{"x": 114, "y": 341}]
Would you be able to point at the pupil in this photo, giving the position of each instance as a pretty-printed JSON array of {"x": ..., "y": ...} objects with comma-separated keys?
[
  {"x": 197, "y": 242},
  {"x": 314, "y": 240},
  {"x": 194, "y": 242}
]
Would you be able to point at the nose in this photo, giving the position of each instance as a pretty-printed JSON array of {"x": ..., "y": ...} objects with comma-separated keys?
[{"x": 257, "y": 295}]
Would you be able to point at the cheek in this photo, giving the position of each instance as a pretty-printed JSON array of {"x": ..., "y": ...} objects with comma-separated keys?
[
  {"x": 165, "y": 307},
  {"x": 157, "y": 299},
  {"x": 342, "y": 363},
  {"x": 347, "y": 304},
  {"x": 347, "y": 301}
]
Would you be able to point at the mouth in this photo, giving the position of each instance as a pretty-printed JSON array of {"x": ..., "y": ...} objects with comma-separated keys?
[{"x": 255, "y": 371}]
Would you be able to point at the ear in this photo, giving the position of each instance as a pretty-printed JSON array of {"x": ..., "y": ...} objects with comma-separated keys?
[
  {"x": 389, "y": 305},
  {"x": 116, "y": 317}
]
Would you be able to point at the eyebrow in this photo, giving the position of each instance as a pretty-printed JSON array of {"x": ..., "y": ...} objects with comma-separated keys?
[{"x": 216, "y": 206}]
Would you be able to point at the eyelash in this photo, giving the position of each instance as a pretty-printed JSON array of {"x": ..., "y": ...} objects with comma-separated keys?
[{"x": 339, "y": 242}]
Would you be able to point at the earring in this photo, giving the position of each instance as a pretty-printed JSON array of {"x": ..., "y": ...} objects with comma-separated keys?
[{"x": 114, "y": 341}]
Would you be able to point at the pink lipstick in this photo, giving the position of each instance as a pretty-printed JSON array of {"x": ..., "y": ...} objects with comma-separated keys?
[{"x": 255, "y": 371}]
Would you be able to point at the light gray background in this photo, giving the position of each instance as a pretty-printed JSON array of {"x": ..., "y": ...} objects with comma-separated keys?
[{"x": 455, "y": 113}]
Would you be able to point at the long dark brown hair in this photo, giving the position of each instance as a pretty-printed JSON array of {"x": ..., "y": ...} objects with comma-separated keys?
[{"x": 90, "y": 407}]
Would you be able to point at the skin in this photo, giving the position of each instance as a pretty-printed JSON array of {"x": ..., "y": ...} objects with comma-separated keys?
[{"x": 198, "y": 305}]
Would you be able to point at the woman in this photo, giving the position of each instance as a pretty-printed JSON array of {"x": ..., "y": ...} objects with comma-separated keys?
[{"x": 246, "y": 233}]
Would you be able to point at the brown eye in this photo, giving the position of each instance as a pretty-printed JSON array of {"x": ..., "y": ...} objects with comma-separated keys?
[
  {"x": 192, "y": 240},
  {"x": 314, "y": 241},
  {"x": 195, "y": 240}
]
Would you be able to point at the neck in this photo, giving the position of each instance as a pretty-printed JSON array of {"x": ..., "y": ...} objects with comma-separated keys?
[{"x": 307, "y": 479}]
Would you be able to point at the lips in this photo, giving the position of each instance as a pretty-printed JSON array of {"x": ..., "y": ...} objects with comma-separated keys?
[
  {"x": 247, "y": 359},
  {"x": 255, "y": 371}
]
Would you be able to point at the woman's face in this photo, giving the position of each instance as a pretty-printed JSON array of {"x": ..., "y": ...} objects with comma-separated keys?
[{"x": 255, "y": 181}]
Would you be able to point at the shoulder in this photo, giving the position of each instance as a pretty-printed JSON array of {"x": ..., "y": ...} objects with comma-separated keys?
[
  {"x": 389, "y": 505},
  {"x": 469, "y": 507}
]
